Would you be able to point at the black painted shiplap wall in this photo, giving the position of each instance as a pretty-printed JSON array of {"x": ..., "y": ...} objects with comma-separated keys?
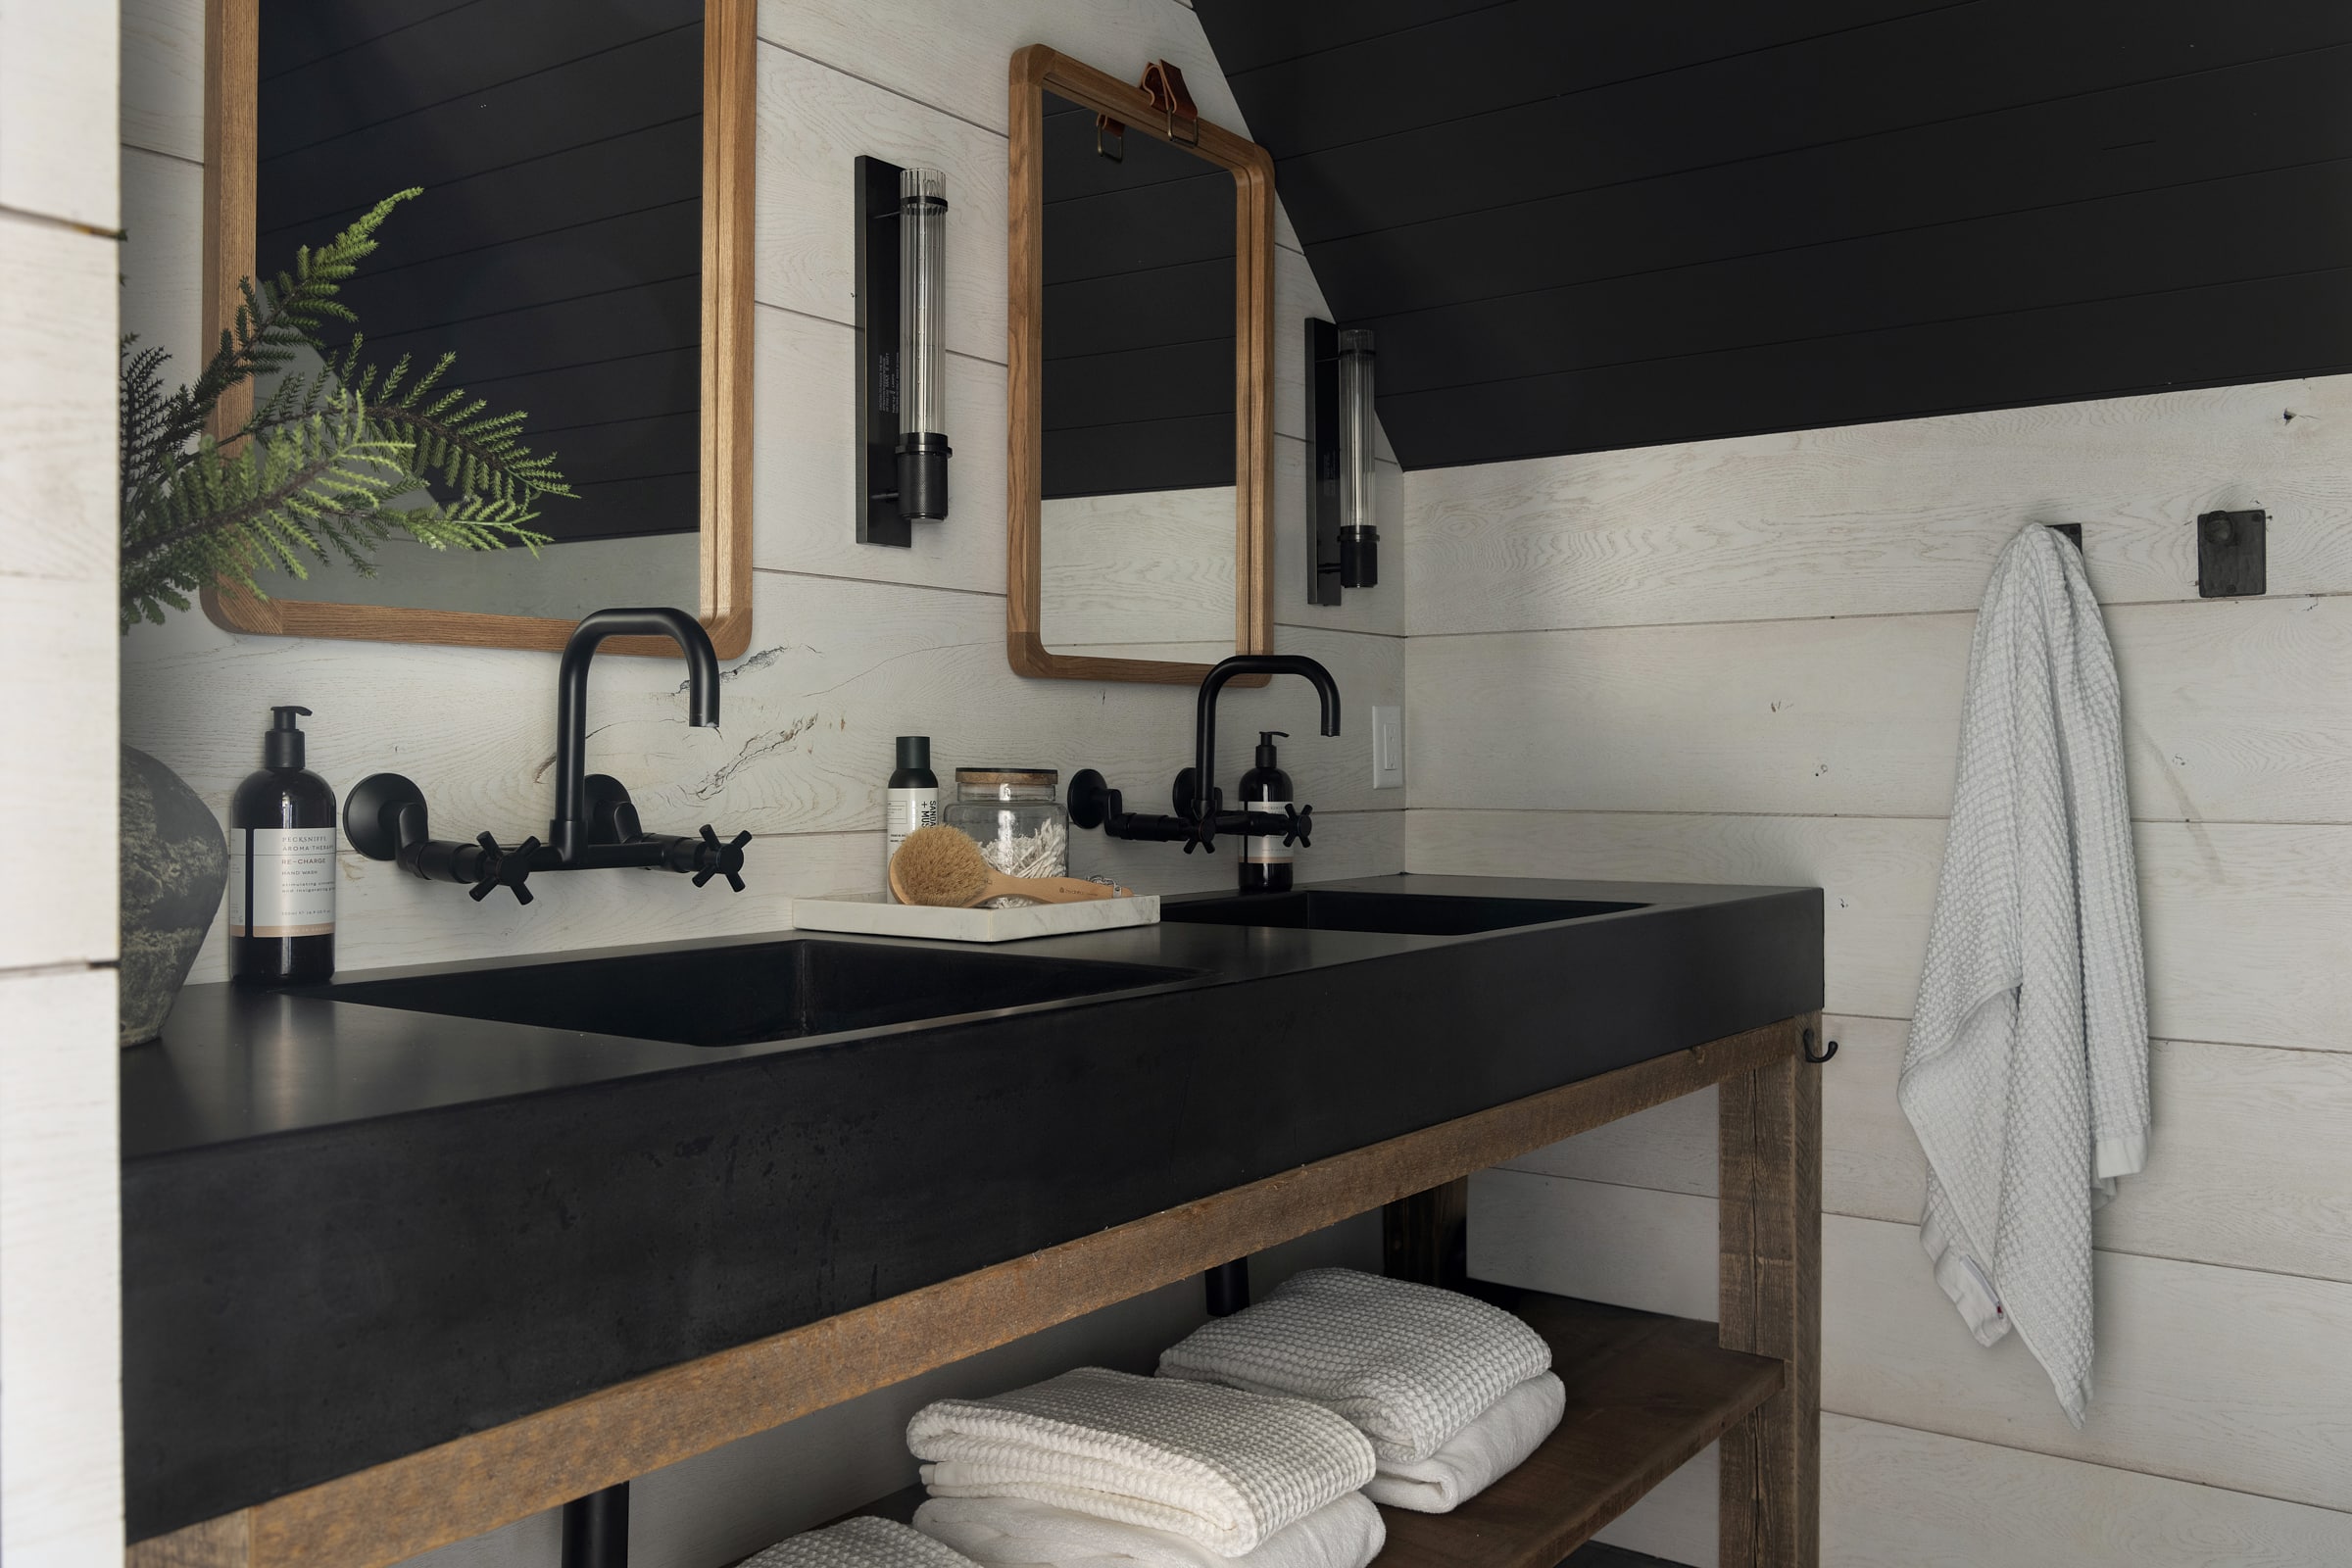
[
  {"x": 556, "y": 248},
  {"x": 1580, "y": 228},
  {"x": 1139, "y": 277}
]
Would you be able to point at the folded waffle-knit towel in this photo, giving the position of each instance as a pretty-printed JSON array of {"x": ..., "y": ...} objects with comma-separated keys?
[
  {"x": 1477, "y": 1456},
  {"x": 1010, "y": 1532},
  {"x": 860, "y": 1543},
  {"x": 1410, "y": 1364},
  {"x": 1221, "y": 1466}
]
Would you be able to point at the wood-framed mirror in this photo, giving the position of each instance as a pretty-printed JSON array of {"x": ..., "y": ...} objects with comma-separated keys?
[
  {"x": 583, "y": 245},
  {"x": 1139, "y": 513}
]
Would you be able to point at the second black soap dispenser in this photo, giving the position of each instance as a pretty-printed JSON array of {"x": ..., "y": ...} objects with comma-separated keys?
[{"x": 1266, "y": 862}]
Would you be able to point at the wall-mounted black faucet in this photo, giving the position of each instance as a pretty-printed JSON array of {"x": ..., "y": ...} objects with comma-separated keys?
[
  {"x": 595, "y": 827},
  {"x": 1199, "y": 814}
]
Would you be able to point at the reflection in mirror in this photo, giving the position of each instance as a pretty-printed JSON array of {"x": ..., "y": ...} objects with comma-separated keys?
[
  {"x": 557, "y": 250},
  {"x": 1136, "y": 529}
]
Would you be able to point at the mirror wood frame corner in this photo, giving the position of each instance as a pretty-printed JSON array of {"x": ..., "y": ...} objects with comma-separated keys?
[
  {"x": 231, "y": 124},
  {"x": 1036, "y": 70}
]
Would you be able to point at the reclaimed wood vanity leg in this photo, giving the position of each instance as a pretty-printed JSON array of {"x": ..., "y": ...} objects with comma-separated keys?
[
  {"x": 222, "y": 1543},
  {"x": 1769, "y": 1142},
  {"x": 1425, "y": 1238}
]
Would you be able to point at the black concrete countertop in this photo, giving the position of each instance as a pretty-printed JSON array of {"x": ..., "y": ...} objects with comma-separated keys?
[{"x": 351, "y": 1232}]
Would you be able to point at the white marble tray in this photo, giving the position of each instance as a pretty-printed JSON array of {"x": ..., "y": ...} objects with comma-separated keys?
[{"x": 872, "y": 915}]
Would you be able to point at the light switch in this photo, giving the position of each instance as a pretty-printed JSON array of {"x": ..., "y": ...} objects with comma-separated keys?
[{"x": 1388, "y": 747}]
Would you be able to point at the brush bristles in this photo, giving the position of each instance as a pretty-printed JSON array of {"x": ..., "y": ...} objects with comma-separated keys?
[{"x": 938, "y": 866}]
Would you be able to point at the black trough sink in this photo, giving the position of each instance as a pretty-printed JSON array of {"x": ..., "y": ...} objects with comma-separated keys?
[{"x": 741, "y": 995}]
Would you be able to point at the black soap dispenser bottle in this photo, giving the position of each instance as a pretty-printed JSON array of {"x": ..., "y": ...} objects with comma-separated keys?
[
  {"x": 1266, "y": 862},
  {"x": 281, "y": 866}
]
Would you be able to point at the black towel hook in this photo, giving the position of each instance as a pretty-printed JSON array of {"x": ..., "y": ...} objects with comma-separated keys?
[{"x": 1823, "y": 1057}]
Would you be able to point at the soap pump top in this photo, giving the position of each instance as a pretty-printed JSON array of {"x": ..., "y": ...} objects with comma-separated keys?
[{"x": 282, "y": 741}]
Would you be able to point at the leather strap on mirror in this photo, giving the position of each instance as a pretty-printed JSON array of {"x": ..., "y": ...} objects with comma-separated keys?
[{"x": 1163, "y": 84}]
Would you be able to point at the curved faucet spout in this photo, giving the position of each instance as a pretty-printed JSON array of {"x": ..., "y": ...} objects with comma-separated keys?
[
  {"x": 568, "y": 831},
  {"x": 1204, "y": 733}
]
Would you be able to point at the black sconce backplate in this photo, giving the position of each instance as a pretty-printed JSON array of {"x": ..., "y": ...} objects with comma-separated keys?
[
  {"x": 877, "y": 227},
  {"x": 1322, "y": 461}
]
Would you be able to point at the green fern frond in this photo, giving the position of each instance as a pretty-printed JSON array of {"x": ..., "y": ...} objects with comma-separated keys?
[{"x": 326, "y": 467}]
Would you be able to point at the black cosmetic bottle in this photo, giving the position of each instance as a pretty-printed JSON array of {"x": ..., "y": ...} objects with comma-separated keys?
[
  {"x": 1266, "y": 862},
  {"x": 281, "y": 866}
]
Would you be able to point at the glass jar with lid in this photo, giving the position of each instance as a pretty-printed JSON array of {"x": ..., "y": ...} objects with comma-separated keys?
[{"x": 1012, "y": 814}]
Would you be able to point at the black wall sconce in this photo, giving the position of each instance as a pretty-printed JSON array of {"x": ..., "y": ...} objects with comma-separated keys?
[
  {"x": 902, "y": 227},
  {"x": 1341, "y": 480}
]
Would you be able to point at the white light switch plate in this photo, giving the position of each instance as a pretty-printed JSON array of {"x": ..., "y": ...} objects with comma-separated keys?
[{"x": 1388, "y": 747}]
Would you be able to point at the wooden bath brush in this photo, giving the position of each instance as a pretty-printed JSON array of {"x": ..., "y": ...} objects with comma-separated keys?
[{"x": 941, "y": 867}]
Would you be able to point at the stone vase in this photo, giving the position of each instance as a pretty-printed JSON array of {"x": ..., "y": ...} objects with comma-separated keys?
[{"x": 174, "y": 869}]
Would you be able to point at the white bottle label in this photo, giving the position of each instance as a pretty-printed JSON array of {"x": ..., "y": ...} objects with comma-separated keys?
[
  {"x": 1267, "y": 851},
  {"x": 907, "y": 811},
  {"x": 281, "y": 882}
]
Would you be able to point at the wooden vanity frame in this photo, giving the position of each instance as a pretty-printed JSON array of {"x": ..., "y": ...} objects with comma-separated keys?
[
  {"x": 232, "y": 43},
  {"x": 1760, "y": 1384},
  {"x": 1037, "y": 70}
]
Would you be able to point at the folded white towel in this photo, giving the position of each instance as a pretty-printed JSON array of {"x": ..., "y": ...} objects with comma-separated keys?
[
  {"x": 1410, "y": 1364},
  {"x": 1217, "y": 1465},
  {"x": 1010, "y": 1532},
  {"x": 1477, "y": 1456},
  {"x": 860, "y": 1543}
]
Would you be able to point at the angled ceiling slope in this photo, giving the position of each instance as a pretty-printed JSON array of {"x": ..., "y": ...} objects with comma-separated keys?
[{"x": 1585, "y": 226}]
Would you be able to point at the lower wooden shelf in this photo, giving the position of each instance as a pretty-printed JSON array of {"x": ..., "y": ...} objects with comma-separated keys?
[{"x": 1645, "y": 1394}]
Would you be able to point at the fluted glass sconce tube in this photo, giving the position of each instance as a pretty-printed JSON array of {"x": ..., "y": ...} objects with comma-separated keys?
[
  {"x": 923, "y": 448},
  {"x": 1359, "y": 539}
]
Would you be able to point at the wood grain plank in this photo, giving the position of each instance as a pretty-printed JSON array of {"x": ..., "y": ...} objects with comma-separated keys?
[
  {"x": 2224, "y": 1377},
  {"x": 2233, "y": 712},
  {"x": 1880, "y": 876},
  {"x": 2247, "y": 927},
  {"x": 60, "y": 71},
  {"x": 2248, "y": 1170},
  {"x": 806, "y": 465},
  {"x": 392, "y": 1511},
  {"x": 61, "y": 1496},
  {"x": 1881, "y": 519},
  {"x": 2227, "y": 1377},
  {"x": 161, "y": 257},
  {"x": 162, "y": 78},
  {"x": 814, "y": 120},
  {"x": 58, "y": 638},
  {"x": 1890, "y": 1495},
  {"x": 1769, "y": 1286},
  {"x": 2250, "y": 1165}
]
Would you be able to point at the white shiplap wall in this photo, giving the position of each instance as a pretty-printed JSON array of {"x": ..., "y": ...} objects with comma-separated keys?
[
  {"x": 851, "y": 645},
  {"x": 1743, "y": 661},
  {"x": 60, "y": 1470}
]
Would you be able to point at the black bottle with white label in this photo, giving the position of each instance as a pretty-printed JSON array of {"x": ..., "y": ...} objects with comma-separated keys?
[
  {"x": 281, "y": 866},
  {"x": 1266, "y": 862}
]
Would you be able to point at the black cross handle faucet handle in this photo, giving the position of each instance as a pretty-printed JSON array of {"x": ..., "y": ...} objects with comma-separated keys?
[
  {"x": 503, "y": 868},
  {"x": 1302, "y": 823},
  {"x": 720, "y": 860}
]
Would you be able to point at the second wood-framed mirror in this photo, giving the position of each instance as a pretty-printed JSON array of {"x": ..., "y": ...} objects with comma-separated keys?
[
  {"x": 1140, "y": 408},
  {"x": 583, "y": 244}
]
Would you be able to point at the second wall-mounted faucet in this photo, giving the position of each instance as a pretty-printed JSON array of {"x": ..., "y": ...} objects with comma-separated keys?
[{"x": 1199, "y": 816}]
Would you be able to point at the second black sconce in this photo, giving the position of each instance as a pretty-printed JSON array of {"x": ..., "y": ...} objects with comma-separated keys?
[
  {"x": 902, "y": 227},
  {"x": 1342, "y": 542}
]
